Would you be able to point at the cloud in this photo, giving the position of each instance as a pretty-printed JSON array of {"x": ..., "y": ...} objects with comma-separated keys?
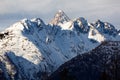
[
  {"x": 14, "y": 6},
  {"x": 14, "y": 10}
]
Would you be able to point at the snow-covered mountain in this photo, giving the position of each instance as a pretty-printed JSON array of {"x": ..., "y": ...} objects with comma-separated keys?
[
  {"x": 101, "y": 63},
  {"x": 31, "y": 48}
]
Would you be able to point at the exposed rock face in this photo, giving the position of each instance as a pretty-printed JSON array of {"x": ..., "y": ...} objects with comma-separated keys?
[
  {"x": 31, "y": 49},
  {"x": 60, "y": 17}
]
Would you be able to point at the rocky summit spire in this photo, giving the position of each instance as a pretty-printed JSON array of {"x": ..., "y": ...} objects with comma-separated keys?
[{"x": 60, "y": 17}]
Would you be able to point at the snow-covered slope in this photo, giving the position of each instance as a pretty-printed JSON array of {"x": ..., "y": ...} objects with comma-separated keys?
[
  {"x": 30, "y": 48},
  {"x": 102, "y": 63}
]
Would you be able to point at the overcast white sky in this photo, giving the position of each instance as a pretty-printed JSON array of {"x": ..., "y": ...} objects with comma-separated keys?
[{"x": 15, "y": 10}]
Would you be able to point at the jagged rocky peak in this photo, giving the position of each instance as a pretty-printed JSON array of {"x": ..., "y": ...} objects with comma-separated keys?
[
  {"x": 81, "y": 24},
  {"x": 45, "y": 47},
  {"x": 32, "y": 22},
  {"x": 26, "y": 25},
  {"x": 81, "y": 21},
  {"x": 105, "y": 27},
  {"x": 60, "y": 17},
  {"x": 38, "y": 21}
]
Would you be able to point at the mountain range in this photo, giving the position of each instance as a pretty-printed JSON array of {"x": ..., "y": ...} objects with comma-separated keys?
[{"x": 30, "y": 48}]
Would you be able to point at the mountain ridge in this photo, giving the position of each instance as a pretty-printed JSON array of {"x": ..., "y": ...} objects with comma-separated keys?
[
  {"x": 101, "y": 63},
  {"x": 44, "y": 47}
]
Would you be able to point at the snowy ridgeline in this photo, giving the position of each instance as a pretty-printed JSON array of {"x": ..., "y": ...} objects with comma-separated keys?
[{"x": 30, "y": 48}]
